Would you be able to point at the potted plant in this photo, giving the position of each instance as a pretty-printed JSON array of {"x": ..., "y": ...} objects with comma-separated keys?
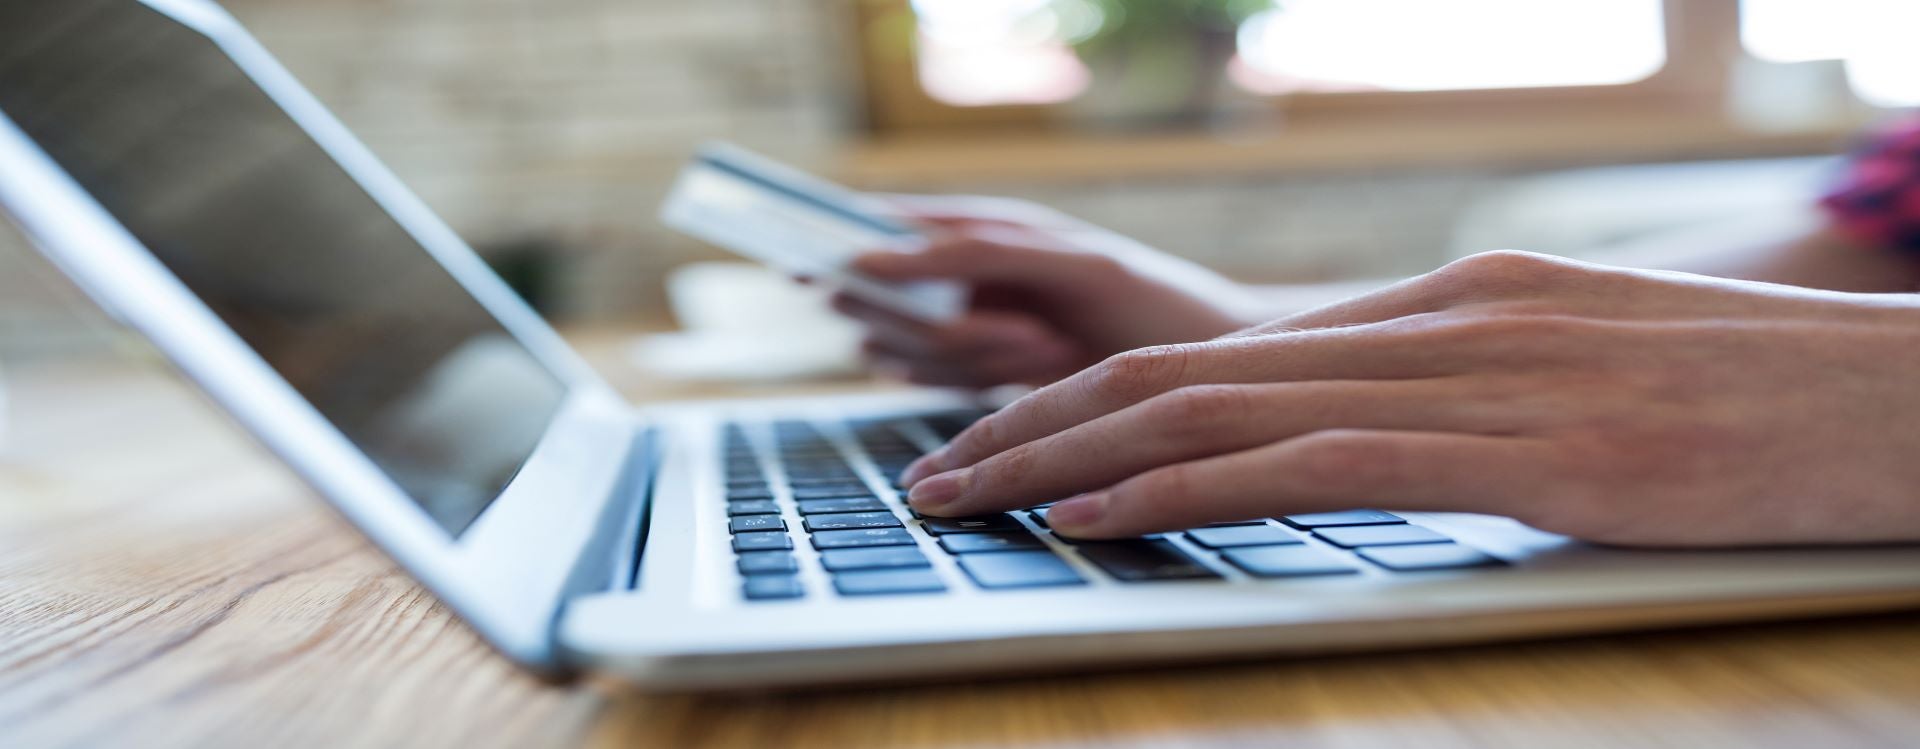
[{"x": 1155, "y": 63}]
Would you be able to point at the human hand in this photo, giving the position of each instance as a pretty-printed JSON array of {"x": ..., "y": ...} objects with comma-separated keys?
[
  {"x": 1051, "y": 295},
  {"x": 1619, "y": 406}
]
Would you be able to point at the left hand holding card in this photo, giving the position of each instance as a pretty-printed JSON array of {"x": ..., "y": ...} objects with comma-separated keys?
[{"x": 803, "y": 225}]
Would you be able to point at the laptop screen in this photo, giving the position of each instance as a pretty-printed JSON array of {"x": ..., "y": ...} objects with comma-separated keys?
[{"x": 233, "y": 197}]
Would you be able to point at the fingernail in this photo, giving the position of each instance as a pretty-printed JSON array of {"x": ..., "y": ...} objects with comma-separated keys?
[
  {"x": 940, "y": 490},
  {"x": 1078, "y": 512},
  {"x": 927, "y": 465}
]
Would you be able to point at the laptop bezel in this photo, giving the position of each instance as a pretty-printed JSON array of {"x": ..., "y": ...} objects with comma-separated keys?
[{"x": 511, "y": 571}]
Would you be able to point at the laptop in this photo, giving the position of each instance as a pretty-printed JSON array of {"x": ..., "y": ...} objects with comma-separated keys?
[{"x": 159, "y": 155}]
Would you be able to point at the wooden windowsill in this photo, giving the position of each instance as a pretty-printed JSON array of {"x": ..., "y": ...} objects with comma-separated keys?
[{"x": 929, "y": 161}]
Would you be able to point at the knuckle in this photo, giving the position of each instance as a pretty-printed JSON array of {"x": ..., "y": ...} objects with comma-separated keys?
[
  {"x": 1196, "y": 409},
  {"x": 1009, "y": 468},
  {"x": 1151, "y": 492},
  {"x": 1142, "y": 373},
  {"x": 1339, "y": 458},
  {"x": 1493, "y": 274},
  {"x": 1506, "y": 263},
  {"x": 980, "y": 437}
]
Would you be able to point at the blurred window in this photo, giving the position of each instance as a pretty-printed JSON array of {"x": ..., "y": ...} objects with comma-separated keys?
[
  {"x": 987, "y": 52},
  {"x": 1875, "y": 38},
  {"x": 1450, "y": 45},
  {"x": 1550, "y": 78}
]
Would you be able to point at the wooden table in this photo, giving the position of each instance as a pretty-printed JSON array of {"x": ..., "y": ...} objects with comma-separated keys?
[{"x": 163, "y": 582}]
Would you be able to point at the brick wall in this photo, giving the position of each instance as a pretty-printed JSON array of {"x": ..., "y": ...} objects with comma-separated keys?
[{"x": 560, "y": 122}]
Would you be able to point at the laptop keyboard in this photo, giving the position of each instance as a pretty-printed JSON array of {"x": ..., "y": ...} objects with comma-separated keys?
[{"x": 801, "y": 489}]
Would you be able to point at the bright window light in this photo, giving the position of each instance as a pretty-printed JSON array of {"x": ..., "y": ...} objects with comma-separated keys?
[
  {"x": 1874, "y": 37},
  {"x": 981, "y": 52},
  {"x": 1435, "y": 45}
]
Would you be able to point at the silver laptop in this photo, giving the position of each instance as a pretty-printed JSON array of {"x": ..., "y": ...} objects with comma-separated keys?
[{"x": 157, "y": 154}]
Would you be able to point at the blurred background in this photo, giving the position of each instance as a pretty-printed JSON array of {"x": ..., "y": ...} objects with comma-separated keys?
[{"x": 1288, "y": 140}]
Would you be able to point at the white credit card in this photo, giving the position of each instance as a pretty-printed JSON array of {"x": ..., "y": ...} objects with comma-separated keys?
[{"x": 801, "y": 224}]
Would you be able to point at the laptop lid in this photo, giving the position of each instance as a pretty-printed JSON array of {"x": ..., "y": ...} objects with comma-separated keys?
[{"x": 157, "y": 154}]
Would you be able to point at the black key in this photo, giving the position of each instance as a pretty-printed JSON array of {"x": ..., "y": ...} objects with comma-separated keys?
[
  {"x": 1039, "y": 515},
  {"x": 827, "y": 478},
  {"x": 1079, "y": 541},
  {"x": 834, "y": 491},
  {"x": 768, "y": 563},
  {"x": 876, "y": 558},
  {"x": 975, "y": 524},
  {"x": 856, "y": 539},
  {"x": 1140, "y": 561},
  {"x": 1019, "y": 569},
  {"x": 737, "y": 495},
  {"x": 1428, "y": 557},
  {"x": 971, "y": 543},
  {"x": 850, "y": 520},
  {"x": 746, "y": 484},
  {"x": 1287, "y": 561},
  {"x": 750, "y": 523},
  {"x": 1347, "y": 517},
  {"x": 745, "y": 542},
  {"x": 1242, "y": 535},
  {"x": 887, "y": 582},
  {"x": 771, "y": 587},
  {"x": 950, "y": 425},
  {"x": 753, "y": 507},
  {"x": 1380, "y": 535},
  {"x": 847, "y": 504}
]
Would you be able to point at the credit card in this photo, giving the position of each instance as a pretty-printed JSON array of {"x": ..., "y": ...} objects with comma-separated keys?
[{"x": 800, "y": 224}]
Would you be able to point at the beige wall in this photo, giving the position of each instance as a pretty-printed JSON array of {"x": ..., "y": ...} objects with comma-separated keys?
[{"x": 563, "y": 120}]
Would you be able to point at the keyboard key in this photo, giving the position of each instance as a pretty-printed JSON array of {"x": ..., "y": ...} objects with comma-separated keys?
[
  {"x": 850, "y": 520},
  {"x": 845, "y": 504},
  {"x": 856, "y": 539},
  {"x": 976, "y": 524},
  {"x": 751, "y": 523},
  {"x": 747, "y": 482},
  {"x": 838, "y": 479},
  {"x": 1379, "y": 535},
  {"x": 753, "y": 507},
  {"x": 877, "y": 558},
  {"x": 972, "y": 543},
  {"x": 768, "y": 563},
  {"x": 887, "y": 582},
  {"x": 1427, "y": 557},
  {"x": 1079, "y": 541},
  {"x": 1347, "y": 517},
  {"x": 744, "y": 542},
  {"x": 1287, "y": 561},
  {"x": 1019, "y": 569},
  {"x": 1039, "y": 515},
  {"x": 743, "y": 495},
  {"x": 1242, "y": 535},
  {"x": 1141, "y": 561},
  {"x": 832, "y": 492},
  {"x": 772, "y": 587}
]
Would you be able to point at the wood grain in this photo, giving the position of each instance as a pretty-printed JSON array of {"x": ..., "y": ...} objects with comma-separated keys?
[{"x": 165, "y": 583}]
